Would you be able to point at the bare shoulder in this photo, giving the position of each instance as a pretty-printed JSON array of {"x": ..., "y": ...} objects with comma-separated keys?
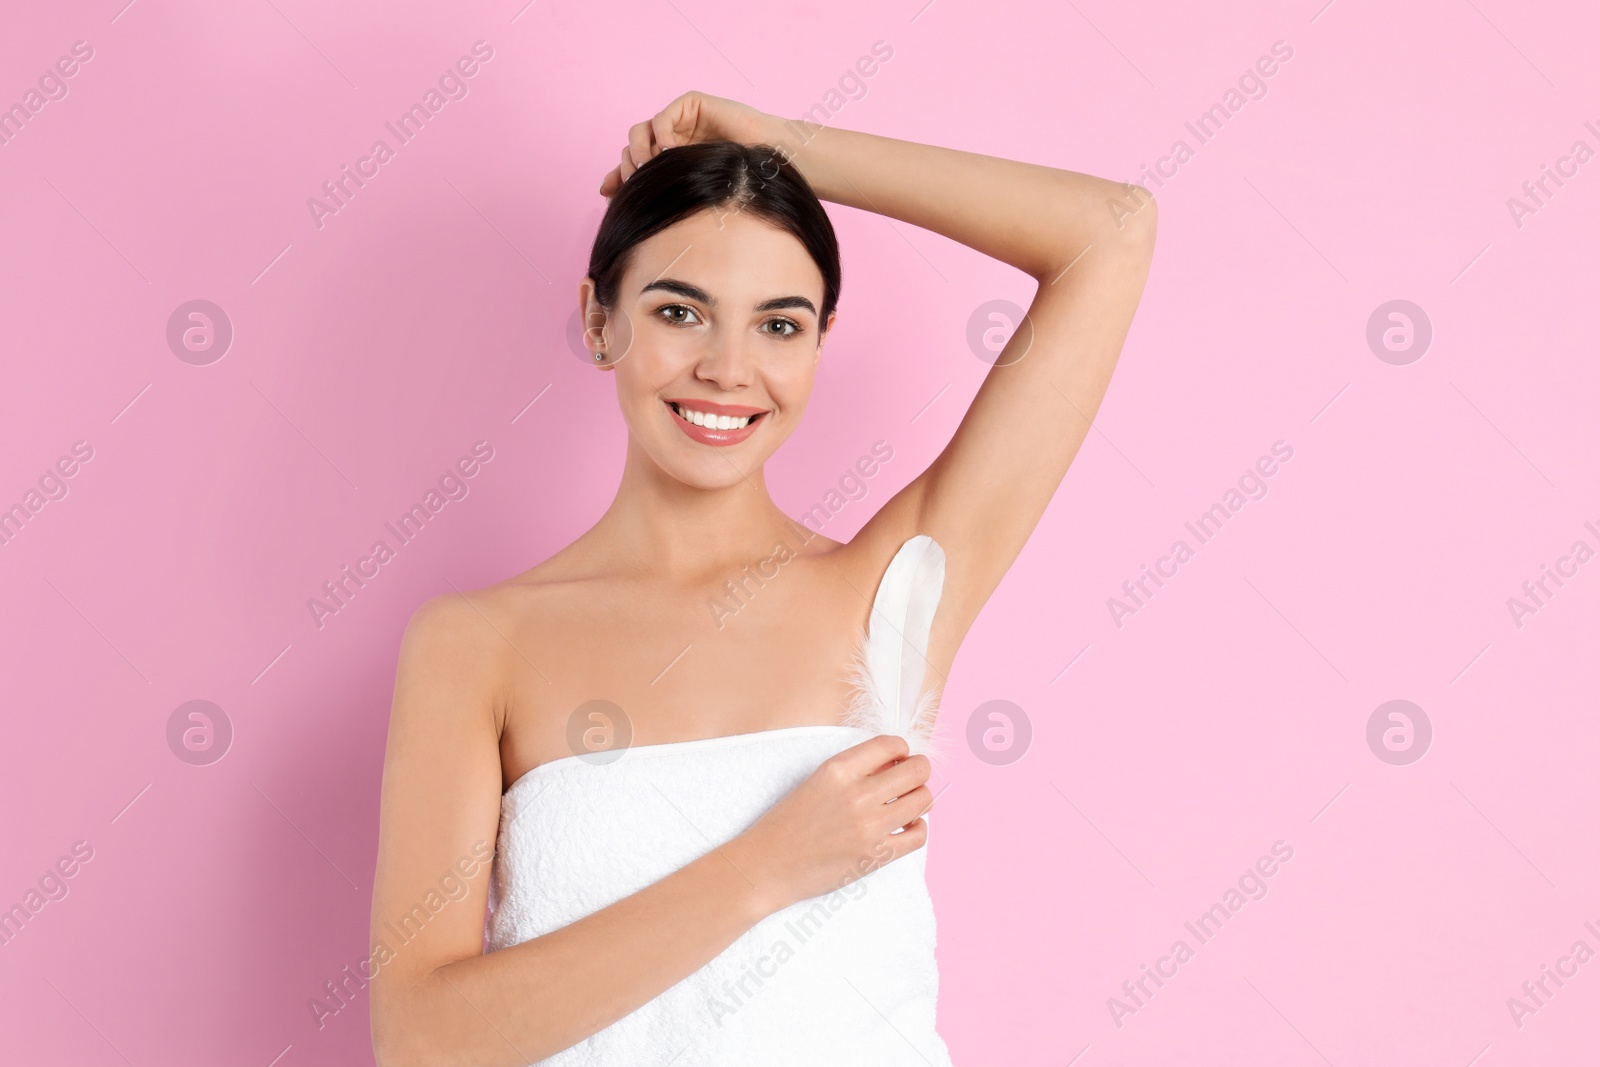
[
  {"x": 442, "y": 776},
  {"x": 454, "y": 631},
  {"x": 466, "y": 655},
  {"x": 447, "y": 670},
  {"x": 462, "y": 621},
  {"x": 468, "y": 642}
]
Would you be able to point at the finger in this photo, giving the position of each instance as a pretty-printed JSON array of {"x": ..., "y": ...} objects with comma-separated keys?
[
  {"x": 874, "y": 753},
  {"x": 626, "y": 168},
  {"x": 908, "y": 840},
  {"x": 895, "y": 843},
  {"x": 898, "y": 779},
  {"x": 641, "y": 143},
  {"x": 610, "y": 183},
  {"x": 674, "y": 126},
  {"x": 905, "y": 810},
  {"x": 662, "y": 127}
]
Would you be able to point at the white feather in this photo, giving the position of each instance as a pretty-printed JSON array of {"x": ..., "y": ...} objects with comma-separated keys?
[{"x": 891, "y": 659}]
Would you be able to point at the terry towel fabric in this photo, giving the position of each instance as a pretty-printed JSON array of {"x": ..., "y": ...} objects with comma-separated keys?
[{"x": 841, "y": 979}]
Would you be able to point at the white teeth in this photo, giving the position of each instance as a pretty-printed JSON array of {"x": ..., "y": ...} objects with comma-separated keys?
[{"x": 712, "y": 422}]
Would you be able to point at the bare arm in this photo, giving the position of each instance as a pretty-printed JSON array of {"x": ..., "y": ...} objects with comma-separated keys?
[
  {"x": 438, "y": 999},
  {"x": 1087, "y": 241}
]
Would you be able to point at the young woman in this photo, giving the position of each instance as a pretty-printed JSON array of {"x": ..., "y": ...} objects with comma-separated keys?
[{"x": 703, "y": 852}]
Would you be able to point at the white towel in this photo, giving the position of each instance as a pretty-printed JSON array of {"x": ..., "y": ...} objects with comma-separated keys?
[{"x": 842, "y": 979}]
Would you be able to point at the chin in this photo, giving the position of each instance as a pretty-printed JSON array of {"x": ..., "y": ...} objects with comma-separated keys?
[
  {"x": 711, "y": 470},
  {"x": 710, "y": 480}
]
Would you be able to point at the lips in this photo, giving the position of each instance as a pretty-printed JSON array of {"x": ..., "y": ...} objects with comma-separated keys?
[{"x": 708, "y": 435}]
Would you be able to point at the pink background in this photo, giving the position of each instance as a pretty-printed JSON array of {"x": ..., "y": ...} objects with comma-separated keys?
[{"x": 1229, "y": 713}]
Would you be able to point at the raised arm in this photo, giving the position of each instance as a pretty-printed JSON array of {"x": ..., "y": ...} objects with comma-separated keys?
[
  {"x": 1085, "y": 240},
  {"x": 437, "y": 998},
  {"x": 1088, "y": 243}
]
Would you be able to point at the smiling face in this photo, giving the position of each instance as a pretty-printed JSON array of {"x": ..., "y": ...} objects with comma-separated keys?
[{"x": 714, "y": 339}]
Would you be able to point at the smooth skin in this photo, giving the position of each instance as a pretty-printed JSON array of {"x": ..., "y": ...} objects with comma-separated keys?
[{"x": 487, "y": 680}]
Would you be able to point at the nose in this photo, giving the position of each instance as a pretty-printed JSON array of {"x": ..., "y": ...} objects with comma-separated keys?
[{"x": 728, "y": 361}]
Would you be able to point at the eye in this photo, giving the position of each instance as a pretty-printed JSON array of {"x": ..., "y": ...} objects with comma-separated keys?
[
  {"x": 793, "y": 327},
  {"x": 672, "y": 316}
]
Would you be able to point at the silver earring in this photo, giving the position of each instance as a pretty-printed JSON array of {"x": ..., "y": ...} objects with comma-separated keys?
[{"x": 599, "y": 356}]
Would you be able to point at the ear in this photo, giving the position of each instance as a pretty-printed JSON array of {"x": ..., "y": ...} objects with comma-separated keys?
[
  {"x": 822, "y": 337},
  {"x": 594, "y": 320}
]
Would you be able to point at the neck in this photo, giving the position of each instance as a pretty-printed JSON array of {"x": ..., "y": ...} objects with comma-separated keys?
[{"x": 676, "y": 532}]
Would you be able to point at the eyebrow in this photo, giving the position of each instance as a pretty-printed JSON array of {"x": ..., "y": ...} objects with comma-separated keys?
[{"x": 692, "y": 292}]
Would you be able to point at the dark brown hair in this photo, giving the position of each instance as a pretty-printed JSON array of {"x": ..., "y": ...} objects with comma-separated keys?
[{"x": 678, "y": 182}]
